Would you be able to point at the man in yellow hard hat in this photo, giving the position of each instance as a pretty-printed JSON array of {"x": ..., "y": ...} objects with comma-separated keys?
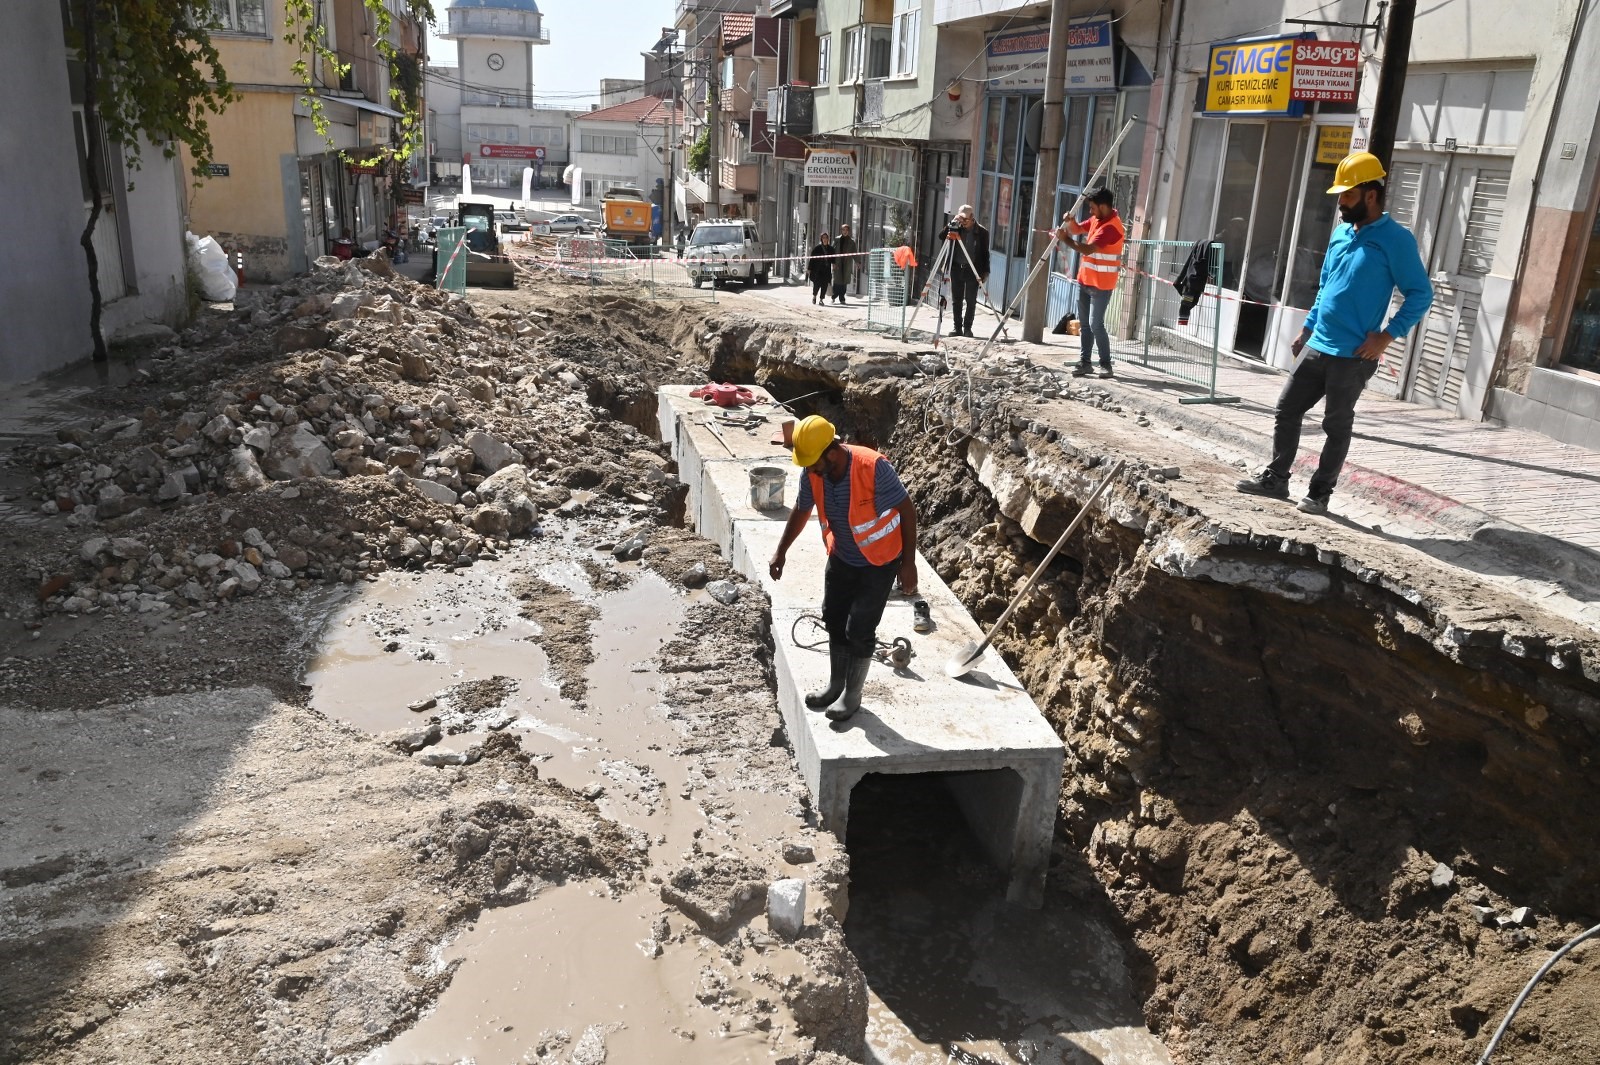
[
  {"x": 869, "y": 527},
  {"x": 1369, "y": 257}
]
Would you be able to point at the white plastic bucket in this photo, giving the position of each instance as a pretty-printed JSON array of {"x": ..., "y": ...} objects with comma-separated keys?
[{"x": 766, "y": 486}]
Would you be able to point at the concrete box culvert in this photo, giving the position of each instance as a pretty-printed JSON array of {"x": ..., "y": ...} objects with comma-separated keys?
[{"x": 913, "y": 721}]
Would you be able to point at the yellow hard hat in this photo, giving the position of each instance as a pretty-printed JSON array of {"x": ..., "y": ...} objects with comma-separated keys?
[
  {"x": 811, "y": 438},
  {"x": 1357, "y": 168}
]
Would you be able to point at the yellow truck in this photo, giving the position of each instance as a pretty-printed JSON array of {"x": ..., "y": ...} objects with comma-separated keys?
[{"x": 626, "y": 216}]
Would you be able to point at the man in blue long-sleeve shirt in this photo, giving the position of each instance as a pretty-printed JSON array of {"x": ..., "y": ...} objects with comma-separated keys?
[{"x": 1338, "y": 351}]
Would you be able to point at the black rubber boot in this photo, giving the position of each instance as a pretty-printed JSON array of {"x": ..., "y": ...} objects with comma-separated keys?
[
  {"x": 838, "y": 667},
  {"x": 852, "y": 691}
]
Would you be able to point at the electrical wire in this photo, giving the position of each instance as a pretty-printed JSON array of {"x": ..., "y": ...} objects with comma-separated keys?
[{"x": 1500, "y": 1032}]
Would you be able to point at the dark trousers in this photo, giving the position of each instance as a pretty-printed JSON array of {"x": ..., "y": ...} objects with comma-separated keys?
[
  {"x": 1319, "y": 376},
  {"x": 853, "y": 598},
  {"x": 964, "y": 293},
  {"x": 838, "y": 289},
  {"x": 820, "y": 284},
  {"x": 1092, "y": 304}
]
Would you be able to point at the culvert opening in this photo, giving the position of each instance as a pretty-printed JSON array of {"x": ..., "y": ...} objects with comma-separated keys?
[{"x": 955, "y": 972}]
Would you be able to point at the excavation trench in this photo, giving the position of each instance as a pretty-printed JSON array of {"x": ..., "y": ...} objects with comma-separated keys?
[{"x": 1312, "y": 778}]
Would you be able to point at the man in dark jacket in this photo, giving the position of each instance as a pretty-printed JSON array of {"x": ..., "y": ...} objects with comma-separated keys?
[{"x": 964, "y": 282}]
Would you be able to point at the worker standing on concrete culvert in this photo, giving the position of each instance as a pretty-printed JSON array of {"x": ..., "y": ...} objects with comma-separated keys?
[
  {"x": 869, "y": 527},
  {"x": 1341, "y": 344}
]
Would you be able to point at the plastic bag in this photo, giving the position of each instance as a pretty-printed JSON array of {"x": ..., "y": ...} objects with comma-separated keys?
[{"x": 217, "y": 280}]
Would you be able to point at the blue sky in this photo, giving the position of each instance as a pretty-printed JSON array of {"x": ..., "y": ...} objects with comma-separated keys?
[{"x": 589, "y": 40}]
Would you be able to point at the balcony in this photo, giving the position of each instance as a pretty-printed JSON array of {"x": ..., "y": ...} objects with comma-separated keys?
[
  {"x": 740, "y": 177},
  {"x": 869, "y": 110},
  {"x": 494, "y": 22},
  {"x": 790, "y": 110},
  {"x": 720, "y": 7}
]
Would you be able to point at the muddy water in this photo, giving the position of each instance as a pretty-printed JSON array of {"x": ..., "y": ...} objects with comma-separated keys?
[
  {"x": 956, "y": 974},
  {"x": 567, "y": 972}
]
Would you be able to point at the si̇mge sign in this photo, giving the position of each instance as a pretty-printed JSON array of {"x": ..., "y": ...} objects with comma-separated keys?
[
  {"x": 830, "y": 168},
  {"x": 1252, "y": 77}
]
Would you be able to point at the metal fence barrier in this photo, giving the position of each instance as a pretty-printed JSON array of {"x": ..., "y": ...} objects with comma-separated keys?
[
  {"x": 888, "y": 292},
  {"x": 1147, "y": 318}
]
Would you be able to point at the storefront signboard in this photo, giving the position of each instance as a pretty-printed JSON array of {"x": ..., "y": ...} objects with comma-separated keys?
[
  {"x": 1015, "y": 62},
  {"x": 511, "y": 151},
  {"x": 1325, "y": 71},
  {"x": 830, "y": 168},
  {"x": 1252, "y": 78},
  {"x": 1333, "y": 143}
]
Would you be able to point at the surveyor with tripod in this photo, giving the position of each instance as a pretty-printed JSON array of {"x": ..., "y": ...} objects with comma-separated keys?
[
  {"x": 969, "y": 268},
  {"x": 869, "y": 526}
]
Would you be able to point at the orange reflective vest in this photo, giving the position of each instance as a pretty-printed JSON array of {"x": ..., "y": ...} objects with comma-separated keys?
[
  {"x": 876, "y": 533},
  {"x": 1098, "y": 268}
]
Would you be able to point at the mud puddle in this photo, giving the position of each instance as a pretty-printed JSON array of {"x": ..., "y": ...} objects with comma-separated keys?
[
  {"x": 957, "y": 974},
  {"x": 572, "y": 975}
]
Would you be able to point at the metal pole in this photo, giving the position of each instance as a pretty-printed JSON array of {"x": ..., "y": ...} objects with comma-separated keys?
[
  {"x": 1049, "y": 155},
  {"x": 1050, "y": 248},
  {"x": 713, "y": 120}
]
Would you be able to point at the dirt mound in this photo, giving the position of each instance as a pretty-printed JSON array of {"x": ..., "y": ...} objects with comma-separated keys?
[{"x": 344, "y": 423}]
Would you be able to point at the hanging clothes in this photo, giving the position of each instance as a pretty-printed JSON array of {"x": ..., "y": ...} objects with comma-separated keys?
[{"x": 1193, "y": 278}]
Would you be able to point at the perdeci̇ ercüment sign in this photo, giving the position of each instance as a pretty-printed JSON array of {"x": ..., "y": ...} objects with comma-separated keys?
[{"x": 830, "y": 168}]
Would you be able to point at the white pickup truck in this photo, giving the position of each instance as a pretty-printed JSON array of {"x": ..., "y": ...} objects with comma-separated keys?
[{"x": 727, "y": 249}]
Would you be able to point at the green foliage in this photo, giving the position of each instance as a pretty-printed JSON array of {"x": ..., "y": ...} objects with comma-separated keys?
[
  {"x": 158, "y": 73},
  {"x": 303, "y": 26},
  {"x": 700, "y": 153}
]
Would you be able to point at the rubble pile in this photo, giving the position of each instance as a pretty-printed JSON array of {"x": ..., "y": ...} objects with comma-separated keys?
[{"x": 368, "y": 423}]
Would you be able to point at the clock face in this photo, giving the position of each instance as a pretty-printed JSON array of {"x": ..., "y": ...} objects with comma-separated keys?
[{"x": 496, "y": 60}]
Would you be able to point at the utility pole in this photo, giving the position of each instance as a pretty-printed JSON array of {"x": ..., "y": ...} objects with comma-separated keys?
[
  {"x": 1392, "y": 80},
  {"x": 713, "y": 120},
  {"x": 668, "y": 196},
  {"x": 1044, "y": 182}
]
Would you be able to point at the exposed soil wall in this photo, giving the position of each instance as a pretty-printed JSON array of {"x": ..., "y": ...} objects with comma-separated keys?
[{"x": 1313, "y": 773}]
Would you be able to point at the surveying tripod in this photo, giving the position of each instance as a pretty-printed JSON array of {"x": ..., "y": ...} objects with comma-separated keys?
[{"x": 939, "y": 281}]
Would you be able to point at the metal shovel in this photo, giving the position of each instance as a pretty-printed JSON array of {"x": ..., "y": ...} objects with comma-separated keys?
[{"x": 963, "y": 663}]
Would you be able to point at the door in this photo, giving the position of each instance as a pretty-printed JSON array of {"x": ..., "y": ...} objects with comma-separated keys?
[
  {"x": 1416, "y": 190},
  {"x": 1465, "y": 252}
]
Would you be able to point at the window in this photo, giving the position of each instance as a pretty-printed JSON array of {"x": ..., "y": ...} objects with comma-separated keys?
[
  {"x": 548, "y": 136},
  {"x": 607, "y": 144},
  {"x": 907, "y": 30},
  {"x": 825, "y": 59},
  {"x": 492, "y": 134},
  {"x": 867, "y": 50},
  {"x": 242, "y": 16}
]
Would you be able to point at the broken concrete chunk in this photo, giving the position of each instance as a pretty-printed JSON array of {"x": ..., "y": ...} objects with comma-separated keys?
[
  {"x": 413, "y": 739},
  {"x": 724, "y": 592},
  {"x": 1443, "y": 876},
  {"x": 786, "y": 907},
  {"x": 297, "y": 454},
  {"x": 422, "y": 705},
  {"x": 492, "y": 454},
  {"x": 695, "y": 576},
  {"x": 1522, "y": 917}
]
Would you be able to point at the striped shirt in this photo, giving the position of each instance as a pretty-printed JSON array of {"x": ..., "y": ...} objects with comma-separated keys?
[{"x": 836, "y": 502}]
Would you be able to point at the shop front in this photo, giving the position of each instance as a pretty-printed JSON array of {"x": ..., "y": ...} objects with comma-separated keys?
[{"x": 1012, "y": 119}]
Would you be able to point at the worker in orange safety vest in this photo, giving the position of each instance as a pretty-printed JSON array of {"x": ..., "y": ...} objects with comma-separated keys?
[
  {"x": 1103, "y": 236},
  {"x": 869, "y": 527}
]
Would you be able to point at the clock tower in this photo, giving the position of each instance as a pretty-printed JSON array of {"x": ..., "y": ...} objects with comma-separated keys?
[{"x": 494, "y": 41}]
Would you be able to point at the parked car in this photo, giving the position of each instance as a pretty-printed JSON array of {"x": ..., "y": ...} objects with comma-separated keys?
[
  {"x": 569, "y": 223},
  {"x": 727, "y": 249},
  {"x": 510, "y": 222}
]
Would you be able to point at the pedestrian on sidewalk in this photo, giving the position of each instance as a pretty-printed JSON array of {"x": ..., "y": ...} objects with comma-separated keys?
[
  {"x": 1341, "y": 344},
  {"x": 820, "y": 269},
  {"x": 844, "y": 267},
  {"x": 964, "y": 280},
  {"x": 1099, "y": 266},
  {"x": 869, "y": 527}
]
